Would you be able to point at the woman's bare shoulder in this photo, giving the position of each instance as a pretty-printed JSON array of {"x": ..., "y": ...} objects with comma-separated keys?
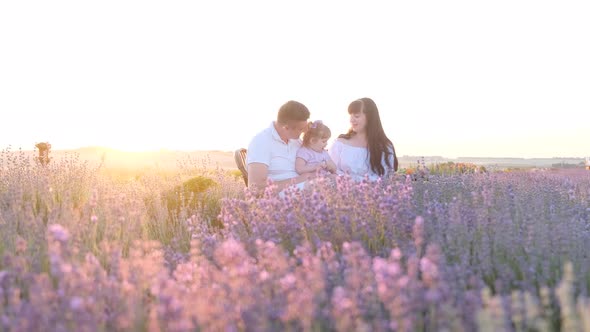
[
  {"x": 349, "y": 142},
  {"x": 339, "y": 142}
]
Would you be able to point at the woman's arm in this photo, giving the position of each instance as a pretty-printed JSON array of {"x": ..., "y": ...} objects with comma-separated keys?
[
  {"x": 334, "y": 153},
  {"x": 390, "y": 159},
  {"x": 331, "y": 166},
  {"x": 328, "y": 163}
]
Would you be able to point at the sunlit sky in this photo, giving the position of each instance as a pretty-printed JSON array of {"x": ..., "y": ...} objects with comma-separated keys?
[{"x": 502, "y": 78}]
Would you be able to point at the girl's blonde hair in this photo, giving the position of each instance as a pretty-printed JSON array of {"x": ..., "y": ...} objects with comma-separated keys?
[{"x": 316, "y": 130}]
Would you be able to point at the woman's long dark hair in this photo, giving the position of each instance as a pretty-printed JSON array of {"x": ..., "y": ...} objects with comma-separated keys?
[{"x": 379, "y": 145}]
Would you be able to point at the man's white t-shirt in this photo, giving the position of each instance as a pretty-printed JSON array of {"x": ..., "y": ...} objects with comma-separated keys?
[{"x": 268, "y": 148}]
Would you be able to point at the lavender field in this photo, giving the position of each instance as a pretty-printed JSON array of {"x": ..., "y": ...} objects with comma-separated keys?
[{"x": 87, "y": 249}]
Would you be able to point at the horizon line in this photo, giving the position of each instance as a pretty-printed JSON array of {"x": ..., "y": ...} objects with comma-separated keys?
[{"x": 97, "y": 147}]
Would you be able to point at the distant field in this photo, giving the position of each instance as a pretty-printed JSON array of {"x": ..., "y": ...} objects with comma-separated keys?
[
  {"x": 168, "y": 159},
  {"x": 163, "y": 159}
]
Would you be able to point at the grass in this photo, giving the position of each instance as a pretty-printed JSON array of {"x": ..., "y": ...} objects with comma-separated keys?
[{"x": 455, "y": 248}]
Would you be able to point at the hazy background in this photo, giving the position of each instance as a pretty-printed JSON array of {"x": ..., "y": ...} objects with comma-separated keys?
[{"x": 451, "y": 78}]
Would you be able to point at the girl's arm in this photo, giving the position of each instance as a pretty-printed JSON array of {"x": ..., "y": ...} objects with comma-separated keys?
[{"x": 301, "y": 166}]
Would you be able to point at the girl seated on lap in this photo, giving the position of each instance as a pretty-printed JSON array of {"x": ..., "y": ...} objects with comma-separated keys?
[{"x": 312, "y": 156}]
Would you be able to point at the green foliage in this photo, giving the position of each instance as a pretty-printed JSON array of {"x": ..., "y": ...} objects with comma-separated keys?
[
  {"x": 197, "y": 185},
  {"x": 450, "y": 167},
  {"x": 236, "y": 174},
  {"x": 191, "y": 195}
]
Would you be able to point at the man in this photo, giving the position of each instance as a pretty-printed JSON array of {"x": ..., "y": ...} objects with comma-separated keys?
[{"x": 272, "y": 152}]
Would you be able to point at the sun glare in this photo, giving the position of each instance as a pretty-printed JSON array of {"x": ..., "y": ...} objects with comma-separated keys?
[{"x": 202, "y": 77}]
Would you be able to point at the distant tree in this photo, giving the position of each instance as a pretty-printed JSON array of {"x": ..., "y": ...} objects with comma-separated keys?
[
  {"x": 564, "y": 165},
  {"x": 44, "y": 149}
]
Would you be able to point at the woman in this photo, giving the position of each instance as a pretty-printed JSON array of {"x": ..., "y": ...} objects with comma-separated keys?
[{"x": 365, "y": 149}]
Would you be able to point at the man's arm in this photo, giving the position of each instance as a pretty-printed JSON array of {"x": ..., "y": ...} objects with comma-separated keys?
[{"x": 258, "y": 176}]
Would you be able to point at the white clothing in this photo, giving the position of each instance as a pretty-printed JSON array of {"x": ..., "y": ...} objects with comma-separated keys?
[
  {"x": 268, "y": 148},
  {"x": 354, "y": 160}
]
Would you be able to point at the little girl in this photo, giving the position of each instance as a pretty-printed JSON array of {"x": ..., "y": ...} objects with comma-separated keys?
[{"x": 312, "y": 155}]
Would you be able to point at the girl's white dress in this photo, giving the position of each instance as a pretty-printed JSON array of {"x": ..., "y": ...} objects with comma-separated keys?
[{"x": 354, "y": 160}]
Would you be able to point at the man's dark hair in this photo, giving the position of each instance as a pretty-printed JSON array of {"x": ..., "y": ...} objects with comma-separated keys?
[{"x": 292, "y": 111}]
